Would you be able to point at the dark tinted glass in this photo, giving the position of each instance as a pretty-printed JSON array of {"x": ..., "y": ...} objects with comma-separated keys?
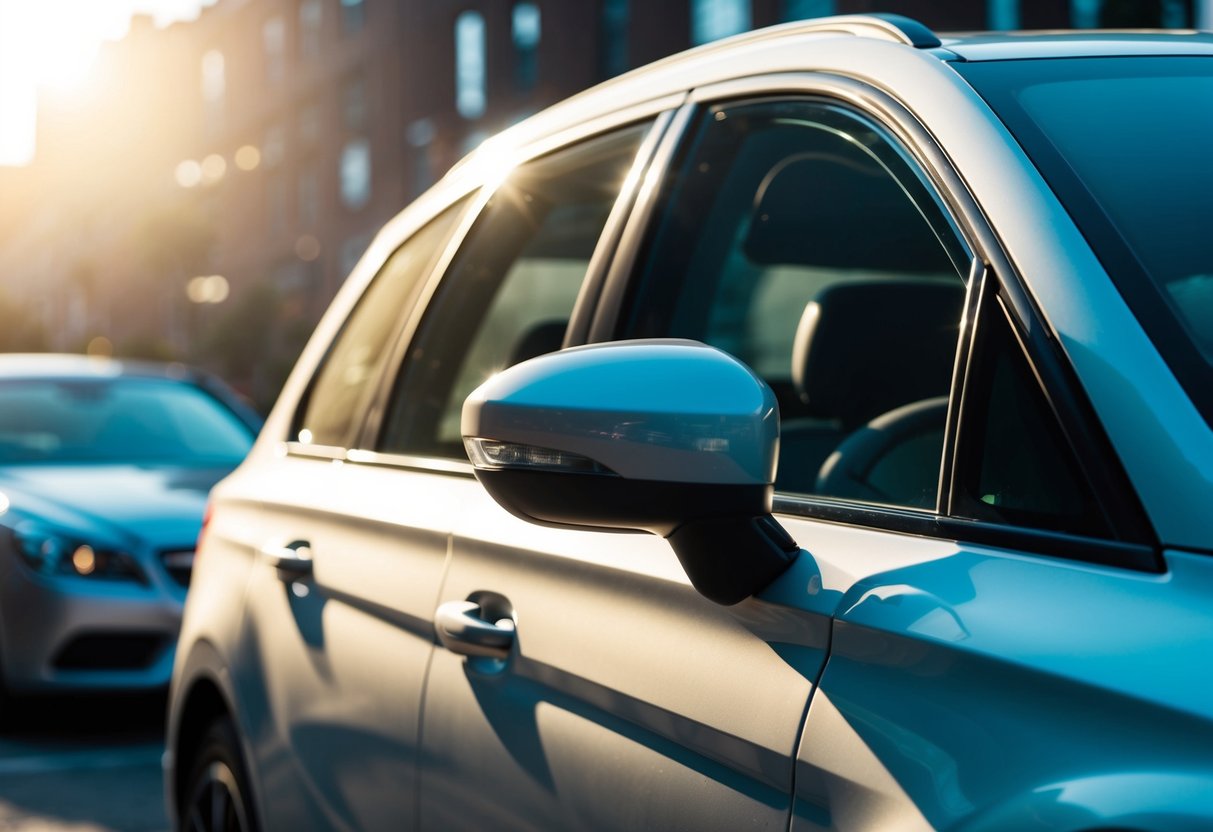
[
  {"x": 1125, "y": 144},
  {"x": 117, "y": 420},
  {"x": 342, "y": 389},
  {"x": 510, "y": 291},
  {"x": 797, "y": 236},
  {"x": 1017, "y": 467}
]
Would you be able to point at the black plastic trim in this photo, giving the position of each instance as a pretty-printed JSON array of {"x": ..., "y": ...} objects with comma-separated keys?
[
  {"x": 1014, "y": 539},
  {"x": 604, "y": 503},
  {"x": 1081, "y": 426}
]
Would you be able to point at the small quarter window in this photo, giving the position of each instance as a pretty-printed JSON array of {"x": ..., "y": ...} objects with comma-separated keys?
[
  {"x": 342, "y": 389},
  {"x": 1016, "y": 466}
]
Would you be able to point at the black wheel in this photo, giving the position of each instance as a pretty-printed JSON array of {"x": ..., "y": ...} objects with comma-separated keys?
[{"x": 217, "y": 796}]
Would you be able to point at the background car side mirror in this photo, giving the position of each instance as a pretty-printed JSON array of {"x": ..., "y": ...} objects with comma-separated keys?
[{"x": 671, "y": 437}]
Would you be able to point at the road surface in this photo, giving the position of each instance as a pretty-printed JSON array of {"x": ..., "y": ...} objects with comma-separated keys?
[{"x": 84, "y": 765}]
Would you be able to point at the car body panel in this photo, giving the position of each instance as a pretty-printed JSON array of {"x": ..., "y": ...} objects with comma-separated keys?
[
  {"x": 699, "y": 731},
  {"x": 353, "y": 638},
  {"x": 927, "y": 673}
]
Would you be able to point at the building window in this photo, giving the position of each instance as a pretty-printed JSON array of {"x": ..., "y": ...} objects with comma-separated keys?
[
  {"x": 309, "y": 124},
  {"x": 273, "y": 43},
  {"x": 214, "y": 88},
  {"x": 614, "y": 33},
  {"x": 470, "y": 96},
  {"x": 311, "y": 18},
  {"x": 309, "y": 197},
  {"x": 356, "y": 173},
  {"x": 806, "y": 9},
  {"x": 1175, "y": 14},
  {"x": 420, "y": 135},
  {"x": 526, "y": 32},
  {"x": 1084, "y": 14},
  {"x": 353, "y": 104},
  {"x": 1003, "y": 14},
  {"x": 353, "y": 16},
  {"x": 351, "y": 252},
  {"x": 274, "y": 147},
  {"x": 275, "y": 196},
  {"x": 715, "y": 19}
]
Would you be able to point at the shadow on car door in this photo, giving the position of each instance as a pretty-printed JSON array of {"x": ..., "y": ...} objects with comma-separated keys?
[
  {"x": 340, "y": 645},
  {"x": 627, "y": 700}
]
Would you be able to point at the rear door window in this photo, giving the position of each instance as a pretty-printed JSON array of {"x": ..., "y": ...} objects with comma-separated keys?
[{"x": 510, "y": 290}]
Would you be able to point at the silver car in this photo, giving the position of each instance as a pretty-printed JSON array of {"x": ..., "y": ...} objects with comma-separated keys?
[
  {"x": 890, "y": 350},
  {"x": 104, "y": 470}
]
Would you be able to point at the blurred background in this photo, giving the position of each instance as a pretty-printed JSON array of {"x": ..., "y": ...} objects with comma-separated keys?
[{"x": 192, "y": 179}]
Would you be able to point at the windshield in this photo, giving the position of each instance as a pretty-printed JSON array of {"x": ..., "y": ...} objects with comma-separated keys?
[
  {"x": 1127, "y": 144},
  {"x": 123, "y": 419}
]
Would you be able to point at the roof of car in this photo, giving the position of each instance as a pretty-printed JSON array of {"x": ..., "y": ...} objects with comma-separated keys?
[
  {"x": 71, "y": 366},
  {"x": 787, "y": 47},
  {"x": 729, "y": 57}
]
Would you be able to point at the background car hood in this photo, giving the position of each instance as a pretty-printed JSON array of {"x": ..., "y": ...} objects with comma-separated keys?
[{"x": 161, "y": 505}]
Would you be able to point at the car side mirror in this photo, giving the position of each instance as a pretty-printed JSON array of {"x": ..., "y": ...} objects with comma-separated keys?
[{"x": 671, "y": 437}]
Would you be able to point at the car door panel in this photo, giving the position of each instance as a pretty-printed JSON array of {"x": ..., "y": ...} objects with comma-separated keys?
[
  {"x": 337, "y": 658},
  {"x": 941, "y": 668},
  {"x": 628, "y": 700}
]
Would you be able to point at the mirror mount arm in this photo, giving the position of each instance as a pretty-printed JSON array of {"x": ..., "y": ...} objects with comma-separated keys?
[{"x": 728, "y": 559}]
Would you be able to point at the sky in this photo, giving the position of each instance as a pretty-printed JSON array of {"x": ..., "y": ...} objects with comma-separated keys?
[{"x": 54, "y": 43}]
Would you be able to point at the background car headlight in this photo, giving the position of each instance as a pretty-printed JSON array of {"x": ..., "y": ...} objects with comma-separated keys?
[{"x": 50, "y": 552}]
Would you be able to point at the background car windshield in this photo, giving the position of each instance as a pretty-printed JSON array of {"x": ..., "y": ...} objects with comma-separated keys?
[
  {"x": 1127, "y": 144},
  {"x": 117, "y": 420}
]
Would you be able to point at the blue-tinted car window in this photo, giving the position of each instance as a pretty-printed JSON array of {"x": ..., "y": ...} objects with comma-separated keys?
[
  {"x": 117, "y": 420},
  {"x": 1125, "y": 143}
]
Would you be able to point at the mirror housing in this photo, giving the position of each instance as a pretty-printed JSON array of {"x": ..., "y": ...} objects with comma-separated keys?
[{"x": 666, "y": 436}]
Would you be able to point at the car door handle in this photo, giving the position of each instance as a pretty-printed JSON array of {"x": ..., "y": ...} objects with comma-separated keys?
[
  {"x": 462, "y": 629},
  {"x": 293, "y": 561}
]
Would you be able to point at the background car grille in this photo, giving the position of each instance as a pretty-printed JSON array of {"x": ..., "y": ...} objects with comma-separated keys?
[
  {"x": 179, "y": 563},
  {"x": 111, "y": 651}
]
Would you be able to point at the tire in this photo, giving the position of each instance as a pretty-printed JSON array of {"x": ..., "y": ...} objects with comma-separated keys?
[{"x": 217, "y": 794}]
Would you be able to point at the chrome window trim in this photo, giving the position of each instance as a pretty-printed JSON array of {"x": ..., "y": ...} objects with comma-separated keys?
[
  {"x": 330, "y": 453},
  {"x": 437, "y": 465},
  {"x": 375, "y": 459},
  {"x": 614, "y": 285},
  {"x": 610, "y": 241}
]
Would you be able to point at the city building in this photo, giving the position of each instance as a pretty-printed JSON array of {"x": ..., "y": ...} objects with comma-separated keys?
[{"x": 207, "y": 201}]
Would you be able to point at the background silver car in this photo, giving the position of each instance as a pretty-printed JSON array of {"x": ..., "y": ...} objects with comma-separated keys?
[{"x": 104, "y": 471}]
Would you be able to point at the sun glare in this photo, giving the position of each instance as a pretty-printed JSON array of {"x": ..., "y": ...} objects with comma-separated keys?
[{"x": 54, "y": 44}]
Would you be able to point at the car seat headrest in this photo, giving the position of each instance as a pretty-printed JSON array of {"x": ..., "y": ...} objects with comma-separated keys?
[
  {"x": 863, "y": 348},
  {"x": 838, "y": 208},
  {"x": 540, "y": 339}
]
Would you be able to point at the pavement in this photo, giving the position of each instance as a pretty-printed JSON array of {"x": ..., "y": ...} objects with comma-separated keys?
[{"x": 84, "y": 764}]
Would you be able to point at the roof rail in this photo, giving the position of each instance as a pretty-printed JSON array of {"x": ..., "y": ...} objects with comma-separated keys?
[
  {"x": 900, "y": 28},
  {"x": 893, "y": 27}
]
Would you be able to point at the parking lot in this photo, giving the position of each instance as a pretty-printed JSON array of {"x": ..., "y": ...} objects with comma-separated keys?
[{"x": 86, "y": 765}]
